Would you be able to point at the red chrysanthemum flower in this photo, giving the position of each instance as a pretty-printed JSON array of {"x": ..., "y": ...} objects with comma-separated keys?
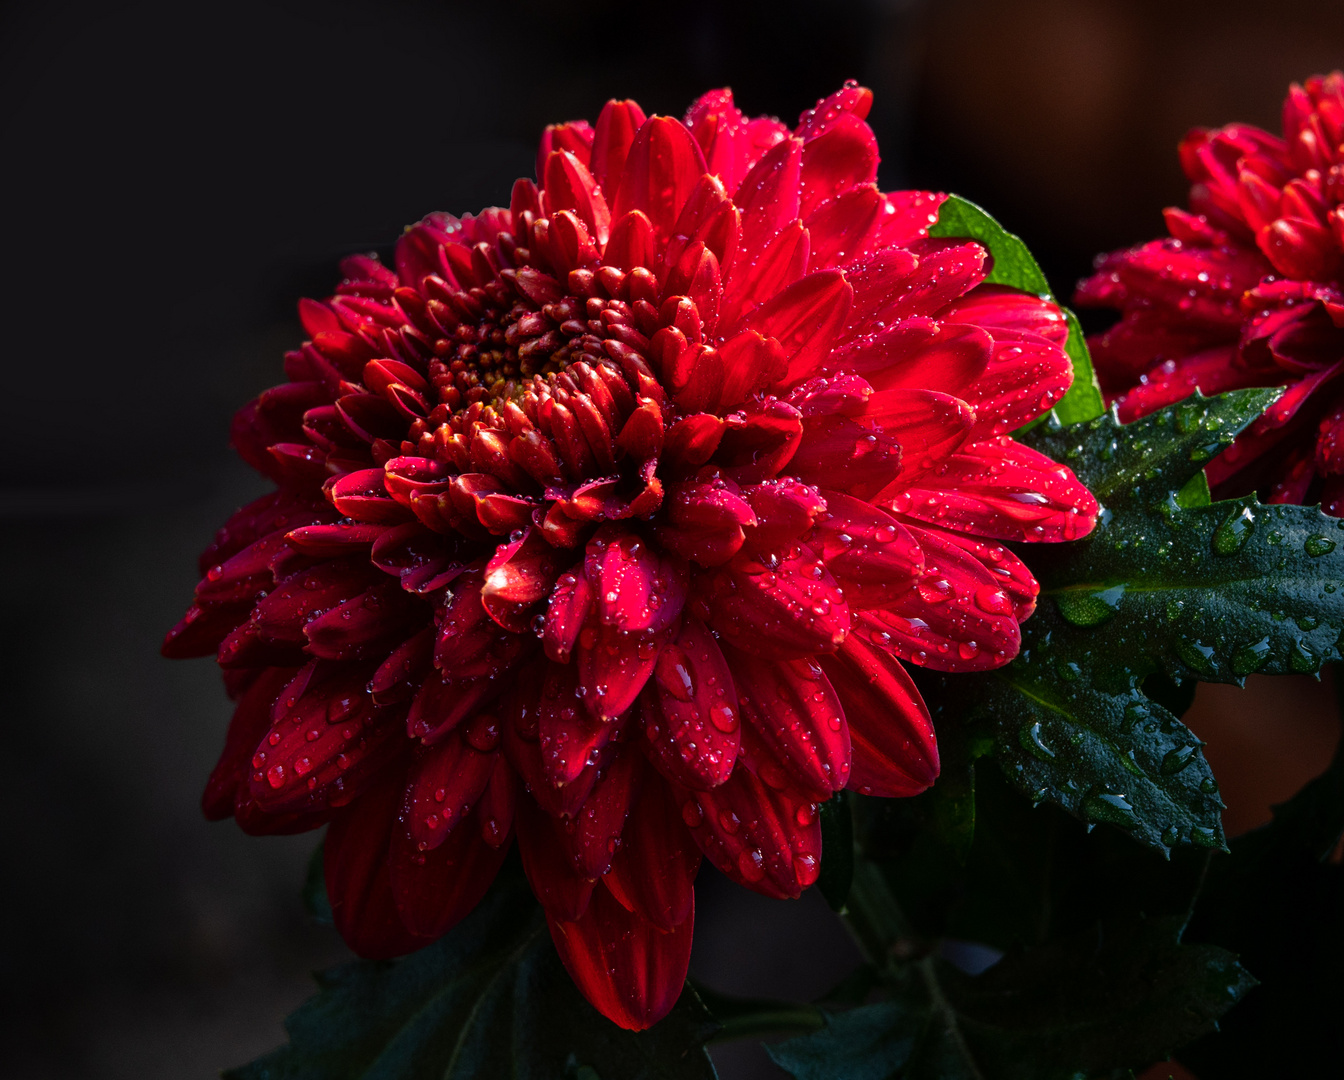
[
  {"x": 609, "y": 520},
  {"x": 1247, "y": 291}
]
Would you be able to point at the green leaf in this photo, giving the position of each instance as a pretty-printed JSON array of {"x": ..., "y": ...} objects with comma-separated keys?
[
  {"x": 1014, "y": 265},
  {"x": 489, "y": 999},
  {"x": 872, "y": 1042},
  {"x": 837, "y": 851},
  {"x": 1169, "y": 588},
  {"x": 1212, "y": 592},
  {"x": 1116, "y": 997},
  {"x": 1105, "y": 754}
]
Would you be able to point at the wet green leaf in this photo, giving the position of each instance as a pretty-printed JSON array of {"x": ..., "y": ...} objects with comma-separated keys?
[
  {"x": 1169, "y": 582},
  {"x": 1014, "y": 265},
  {"x": 489, "y": 999},
  {"x": 1104, "y": 752}
]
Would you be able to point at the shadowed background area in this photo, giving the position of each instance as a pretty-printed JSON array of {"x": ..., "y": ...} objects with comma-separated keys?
[{"x": 176, "y": 177}]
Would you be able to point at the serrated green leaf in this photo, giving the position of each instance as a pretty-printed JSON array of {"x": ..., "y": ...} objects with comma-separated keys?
[
  {"x": 1013, "y": 264},
  {"x": 1103, "y": 753},
  {"x": 872, "y": 1042},
  {"x": 1096, "y": 1004},
  {"x": 1207, "y": 591},
  {"x": 1168, "y": 589},
  {"x": 489, "y": 999}
]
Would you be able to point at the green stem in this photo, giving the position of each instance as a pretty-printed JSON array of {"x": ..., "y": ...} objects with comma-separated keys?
[
  {"x": 873, "y": 915},
  {"x": 754, "y": 1018}
]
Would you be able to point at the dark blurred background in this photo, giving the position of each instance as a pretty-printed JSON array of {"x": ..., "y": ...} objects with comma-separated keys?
[{"x": 176, "y": 176}]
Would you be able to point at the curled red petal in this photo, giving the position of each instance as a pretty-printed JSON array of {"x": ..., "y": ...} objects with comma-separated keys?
[
  {"x": 779, "y": 606},
  {"x": 1001, "y": 489},
  {"x": 629, "y": 969},
  {"x": 895, "y": 750},
  {"x": 358, "y": 878},
  {"x": 691, "y": 718},
  {"x": 794, "y": 710},
  {"x": 653, "y": 871},
  {"x": 766, "y": 839}
]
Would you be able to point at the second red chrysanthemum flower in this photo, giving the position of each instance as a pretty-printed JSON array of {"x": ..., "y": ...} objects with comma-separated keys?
[{"x": 608, "y": 522}]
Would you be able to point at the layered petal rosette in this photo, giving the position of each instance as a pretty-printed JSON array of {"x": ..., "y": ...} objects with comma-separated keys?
[
  {"x": 1248, "y": 290},
  {"x": 609, "y": 523}
]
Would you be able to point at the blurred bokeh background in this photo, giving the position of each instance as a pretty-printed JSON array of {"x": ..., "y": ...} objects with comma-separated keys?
[{"x": 176, "y": 176}]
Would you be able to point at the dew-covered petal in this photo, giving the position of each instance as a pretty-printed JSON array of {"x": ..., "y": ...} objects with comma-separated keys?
[
  {"x": 781, "y": 607},
  {"x": 763, "y": 838},
  {"x": 1000, "y": 489},
  {"x": 895, "y": 752},
  {"x": 793, "y": 709},
  {"x": 690, "y": 713},
  {"x": 632, "y": 971}
]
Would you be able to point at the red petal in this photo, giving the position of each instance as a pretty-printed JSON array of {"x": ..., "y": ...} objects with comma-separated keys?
[
  {"x": 630, "y": 970},
  {"x": 654, "y": 869},
  {"x": 560, "y": 887},
  {"x": 782, "y": 608},
  {"x": 842, "y": 157},
  {"x": 570, "y": 186},
  {"x": 805, "y": 318},
  {"x": 400, "y": 675},
  {"x": 1000, "y": 307},
  {"x": 895, "y": 750},
  {"x": 422, "y": 559},
  {"x": 662, "y": 168},
  {"x": 327, "y": 742},
  {"x": 443, "y": 703},
  {"x": 759, "y": 441},
  {"x": 851, "y": 101},
  {"x": 954, "y": 619},
  {"x": 251, "y": 720},
  {"x": 363, "y": 496},
  {"x": 570, "y": 605},
  {"x": 518, "y": 577},
  {"x": 768, "y": 198},
  {"x": 202, "y": 629},
  {"x": 596, "y": 832},
  {"x": 1001, "y": 489},
  {"x": 765, "y": 839},
  {"x": 705, "y": 521},
  {"x": 792, "y": 707},
  {"x": 1017, "y": 589},
  {"x": 434, "y": 890},
  {"x": 838, "y": 452},
  {"x": 359, "y": 885},
  {"x": 571, "y": 736},
  {"x": 690, "y": 713},
  {"x": 445, "y": 782},
  {"x": 635, "y": 587},
  {"x": 873, "y": 557},
  {"x": 613, "y": 135},
  {"x": 755, "y": 281},
  {"x": 1025, "y": 376},
  {"x": 929, "y": 426},
  {"x": 615, "y": 664},
  {"x": 785, "y": 510},
  {"x": 365, "y": 625},
  {"x": 842, "y": 229}
]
